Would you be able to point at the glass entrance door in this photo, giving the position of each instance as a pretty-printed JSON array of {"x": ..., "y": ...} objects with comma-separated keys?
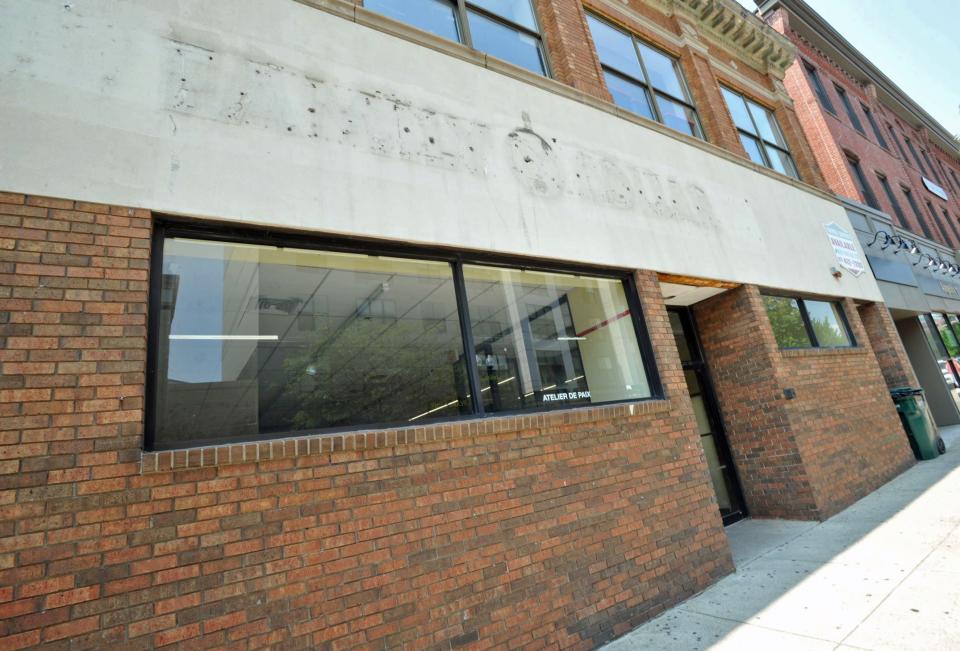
[{"x": 722, "y": 472}]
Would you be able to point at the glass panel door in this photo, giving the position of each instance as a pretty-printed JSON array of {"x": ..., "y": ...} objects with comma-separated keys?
[{"x": 722, "y": 472}]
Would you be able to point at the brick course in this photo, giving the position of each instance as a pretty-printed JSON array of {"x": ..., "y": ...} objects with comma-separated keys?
[{"x": 562, "y": 529}]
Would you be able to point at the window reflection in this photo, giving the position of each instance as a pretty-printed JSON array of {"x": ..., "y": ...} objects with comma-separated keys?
[
  {"x": 434, "y": 16},
  {"x": 506, "y": 43},
  {"x": 258, "y": 340},
  {"x": 545, "y": 339}
]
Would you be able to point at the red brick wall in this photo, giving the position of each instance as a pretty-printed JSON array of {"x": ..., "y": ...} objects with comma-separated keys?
[
  {"x": 830, "y": 135},
  {"x": 562, "y": 529},
  {"x": 887, "y": 345},
  {"x": 813, "y": 455},
  {"x": 742, "y": 358}
]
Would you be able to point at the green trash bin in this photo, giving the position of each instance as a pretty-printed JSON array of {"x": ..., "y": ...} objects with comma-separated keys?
[{"x": 922, "y": 433}]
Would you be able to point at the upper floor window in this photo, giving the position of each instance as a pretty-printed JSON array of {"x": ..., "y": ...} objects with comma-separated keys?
[
  {"x": 916, "y": 212},
  {"x": 943, "y": 172},
  {"x": 643, "y": 79},
  {"x": 940, "y": 225},
  {"x": 956, "y": 181},
  {"x": 805, "y": 323},
  {"x": 893, "y": 136},
  {"x": 913, "y": 152},
  {"x": 861, "y": 182},
  {"x": 818, "y": 88},
  {"x": 901, "y": 219},
  {"x": 506, "y": 29},
  {"x": 760, "y": 134},
  {"x": 854, "y": 120},
  {"x": 933, "y": 170},
  {"x": 254, "y": 340},
  {"x": 873, "y": 126}
]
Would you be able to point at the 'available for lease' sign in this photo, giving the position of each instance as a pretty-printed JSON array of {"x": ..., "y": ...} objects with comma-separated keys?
[{"x": 845, "y": 249}]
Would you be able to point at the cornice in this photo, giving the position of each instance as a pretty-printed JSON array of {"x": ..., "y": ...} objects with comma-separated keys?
[{"x": 734, "y": 28}]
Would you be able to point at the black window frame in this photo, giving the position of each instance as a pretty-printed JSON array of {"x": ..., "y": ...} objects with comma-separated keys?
[
  {"x": 808, "y": 325},
  {"x": 759, "y": 138},
  {"x": 861, "y": 180},
  {"x": 814, "y": 75},
  {"x": 940, "y": 226},
  {"x": 893, "y": 136},
  {"x": 873, "y": 126},
  {"x": 647, "y": 87},
  {"x": 953, "y": 224},
  {"x": 943, "y": 170},
  {"x": 956, "y": 181},
  {"x": 166, "y": 226},
  {"x": 462, "y": 9},
  {"x": 913, "y": 152},
  {"x": 848, "y": 106},
  {"x": 933, "y": 170},
  {"x": 892, "y": 198},
  {"x": 916, "y": 212}
]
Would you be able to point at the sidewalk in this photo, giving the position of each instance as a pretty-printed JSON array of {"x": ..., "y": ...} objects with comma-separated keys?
[{"x": 883, "y": 574}]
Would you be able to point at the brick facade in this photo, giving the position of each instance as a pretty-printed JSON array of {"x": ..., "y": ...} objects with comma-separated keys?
[
  {"x": 565, "y": 529},
  {"x": 832, "y": 135},
  {"x": 811, "y": 456}
]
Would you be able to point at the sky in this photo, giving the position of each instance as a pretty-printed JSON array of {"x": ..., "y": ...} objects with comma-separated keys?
[{"x": 914, "y": 43}]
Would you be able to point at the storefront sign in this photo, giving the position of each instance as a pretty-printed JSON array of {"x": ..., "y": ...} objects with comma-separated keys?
[
  {"x": 844, "y": 248},
  {"x": 569, "y": 395},
  {"x": 934, "y": 188}
]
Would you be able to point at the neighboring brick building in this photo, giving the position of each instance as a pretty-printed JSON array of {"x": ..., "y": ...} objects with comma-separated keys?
[
  {"x": 318, "y": 330},
  {"x": 878, "y": 148}
]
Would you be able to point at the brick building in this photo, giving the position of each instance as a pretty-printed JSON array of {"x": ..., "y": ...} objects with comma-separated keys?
[
  {"x": 898, "y": 171},
  {"x": 412, "y": 324}
]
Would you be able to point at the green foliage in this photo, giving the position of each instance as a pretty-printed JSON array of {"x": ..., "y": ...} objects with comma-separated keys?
[{"x": 787, "y": 324}]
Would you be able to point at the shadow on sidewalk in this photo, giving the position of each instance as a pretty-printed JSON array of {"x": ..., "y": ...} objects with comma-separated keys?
[{"x": 882, "y": 574}]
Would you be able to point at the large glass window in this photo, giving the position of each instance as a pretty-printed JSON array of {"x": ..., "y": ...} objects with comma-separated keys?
[
  {"x": 643, "y": 79},
  {"x": 760, "y": 133},
  {"x": 806, "y": 323},
  {"x": 254, "y": 341},
  {"x": 893, "y": 136},
  {"x": 933, "y": 170},
  {"x": 547, "y": 339},
  {"x": 507, "y": 29}
]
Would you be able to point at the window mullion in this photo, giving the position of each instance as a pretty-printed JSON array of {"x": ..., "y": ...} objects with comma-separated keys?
[
  {"x": 806, "y": 323},
  {"x": 647, "y": 84},
  {"x": 466, "y": 332},
  {"x": 464, "y": 23}
]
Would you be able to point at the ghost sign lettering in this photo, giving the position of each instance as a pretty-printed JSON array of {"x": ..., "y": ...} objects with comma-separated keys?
[{"x": 845, "y": 249}]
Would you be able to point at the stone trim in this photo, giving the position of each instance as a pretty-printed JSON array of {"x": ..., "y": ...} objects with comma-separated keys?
[{"x": 375, "y": 439}]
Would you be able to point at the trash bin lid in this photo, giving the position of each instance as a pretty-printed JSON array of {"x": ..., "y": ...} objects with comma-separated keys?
[{"x": 903, "y": 392}]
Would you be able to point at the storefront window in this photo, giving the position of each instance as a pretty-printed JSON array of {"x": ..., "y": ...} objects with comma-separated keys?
[
  {"x": 259, "y": 339},
  {"x": 546, "y": 339},
  {"x": 806, "y": 323},
  {"x": 254, "y": 341},
  {"x": 947, "y": 334}
]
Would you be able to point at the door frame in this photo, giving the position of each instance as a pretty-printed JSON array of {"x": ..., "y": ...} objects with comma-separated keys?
[{"x": 702, "y": 368}]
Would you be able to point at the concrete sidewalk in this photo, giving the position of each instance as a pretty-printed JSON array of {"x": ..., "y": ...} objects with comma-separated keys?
[{"x": 883, "y": 574}]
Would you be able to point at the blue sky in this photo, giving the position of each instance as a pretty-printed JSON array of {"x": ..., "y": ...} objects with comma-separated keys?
[{"x": 916, "y": 44}]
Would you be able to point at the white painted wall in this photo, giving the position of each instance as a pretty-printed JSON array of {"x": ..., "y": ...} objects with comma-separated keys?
[{"x": 271, "y": 112}]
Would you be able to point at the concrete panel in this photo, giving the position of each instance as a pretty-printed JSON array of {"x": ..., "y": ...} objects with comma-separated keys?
[{"x": 254, "y": 111}]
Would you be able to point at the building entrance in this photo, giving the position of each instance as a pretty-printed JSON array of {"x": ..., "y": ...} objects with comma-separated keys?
[{"x": 722, "y": 471}]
